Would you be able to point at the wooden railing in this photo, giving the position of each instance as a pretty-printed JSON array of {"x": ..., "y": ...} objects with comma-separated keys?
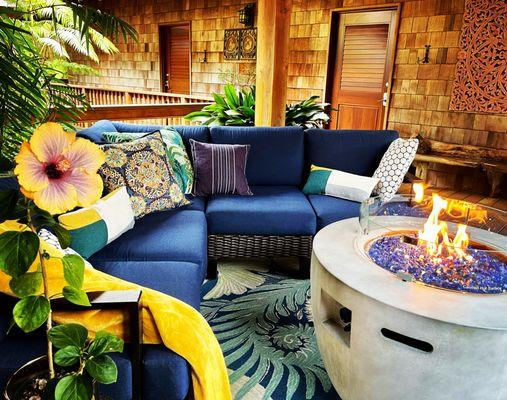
[
  {"x": 140, "y": 106},
  {"x": 168, "y": 113}
]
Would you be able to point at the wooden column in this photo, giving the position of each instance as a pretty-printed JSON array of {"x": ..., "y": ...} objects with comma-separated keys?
[{"x": 273, "y": 23}]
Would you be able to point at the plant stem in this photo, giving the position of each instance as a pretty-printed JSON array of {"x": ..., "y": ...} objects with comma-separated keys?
[{"x": 49, "y": 323}]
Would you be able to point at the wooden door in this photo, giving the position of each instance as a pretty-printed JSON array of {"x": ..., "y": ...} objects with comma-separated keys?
[
  {"x": 175, "y": 58},
  {"x": 358, "y": 88}
]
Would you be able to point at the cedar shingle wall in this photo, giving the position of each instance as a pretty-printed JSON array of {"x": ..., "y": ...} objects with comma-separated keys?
[{"x": 420, "y": 93}]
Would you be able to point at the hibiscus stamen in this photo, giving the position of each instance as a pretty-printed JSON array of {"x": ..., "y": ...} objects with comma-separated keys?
[
  {"x": 56, "y": 170},
  {"x": 63, "y": 165}
]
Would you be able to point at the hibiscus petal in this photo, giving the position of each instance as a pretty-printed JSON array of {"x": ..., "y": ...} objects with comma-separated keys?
[
  {"x": 86, "y": 155},
  {"x": 30, "y": 170},
  {"x": 88, "y": 187},
  {"x": 58, "y": 197},
  {"x": 49, "y": 141}
]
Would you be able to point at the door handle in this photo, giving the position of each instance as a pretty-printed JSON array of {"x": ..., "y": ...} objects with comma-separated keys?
[{"x": 383, "y": 100}]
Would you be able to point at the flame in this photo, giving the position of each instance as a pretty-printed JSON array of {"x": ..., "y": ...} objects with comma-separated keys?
[
  {"x": 418, "y": 189},
  {"x": 435, "y": 236}
]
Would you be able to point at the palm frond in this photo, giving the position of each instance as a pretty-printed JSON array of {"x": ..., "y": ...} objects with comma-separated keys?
[
  {"x": 34, "y": 39},
  {"x": 55, "y": 46}
]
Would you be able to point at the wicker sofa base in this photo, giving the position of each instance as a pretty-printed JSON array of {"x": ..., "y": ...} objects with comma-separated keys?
[{"x": 259, "y": 246}]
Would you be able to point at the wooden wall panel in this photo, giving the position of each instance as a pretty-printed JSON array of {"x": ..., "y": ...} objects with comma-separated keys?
[{"x": 420, "y": 92}]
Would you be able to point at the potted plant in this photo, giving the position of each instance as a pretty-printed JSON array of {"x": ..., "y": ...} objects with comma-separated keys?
[
  {"x": 56, "y": 173},
  {"x": 236, "y": 107}
]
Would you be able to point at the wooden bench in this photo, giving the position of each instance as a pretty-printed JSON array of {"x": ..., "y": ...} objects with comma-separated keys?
[{"x": 495, "y": 170}]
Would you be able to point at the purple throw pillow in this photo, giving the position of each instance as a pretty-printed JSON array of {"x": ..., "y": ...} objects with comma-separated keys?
[{"x": 220, "y": 168}]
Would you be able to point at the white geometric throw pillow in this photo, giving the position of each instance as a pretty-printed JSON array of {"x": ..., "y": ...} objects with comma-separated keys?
[{"x": 393, "y": 167}]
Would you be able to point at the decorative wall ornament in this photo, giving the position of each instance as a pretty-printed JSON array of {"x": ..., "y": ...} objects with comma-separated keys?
[
  {"x": 248, "y": 44},
  {"x": 240, "y": 44},
  {"x": 480, "y": 84}
]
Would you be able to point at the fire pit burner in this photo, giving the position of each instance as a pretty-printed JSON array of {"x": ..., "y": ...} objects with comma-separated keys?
[{"x": 481, "y": 271}]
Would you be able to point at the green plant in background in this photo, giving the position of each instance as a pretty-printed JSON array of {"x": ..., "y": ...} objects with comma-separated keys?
[
  {"x": 244, "y": 79},
  {"x": 35, "y": 38},
  {"x": 234, "y": 107},
  {"x": 237, "y": 107},
  {"x": 307, "y": 113}
]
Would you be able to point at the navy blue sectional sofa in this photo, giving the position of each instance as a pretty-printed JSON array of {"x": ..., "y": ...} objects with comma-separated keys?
[{"x": 168, "y": 251}]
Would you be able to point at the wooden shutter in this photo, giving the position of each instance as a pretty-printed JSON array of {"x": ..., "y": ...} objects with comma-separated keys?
[{"x": 364, "y": 58}]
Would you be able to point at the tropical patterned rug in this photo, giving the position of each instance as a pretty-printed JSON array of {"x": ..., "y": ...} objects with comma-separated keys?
[{"x": 264, "y": 324}]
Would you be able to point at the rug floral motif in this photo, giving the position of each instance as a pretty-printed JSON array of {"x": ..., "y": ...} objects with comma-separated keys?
[{"x": 264, "y": 324}]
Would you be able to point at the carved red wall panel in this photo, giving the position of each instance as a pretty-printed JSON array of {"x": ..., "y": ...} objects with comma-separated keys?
[{"x": 480, "y": 83}]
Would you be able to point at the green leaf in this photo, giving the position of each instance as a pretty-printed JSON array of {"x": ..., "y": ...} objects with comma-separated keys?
[
  {"x": 68, "y": 335},
  {"x": 8, "y": 202},
  {"x": 31, "y": 312},
  {"x": 73, "y": 270},
  {"x": 105, "y": 342},
  {"x": 26, "y": 284},
  {"x": 67, "y": 356},
  {"x": 219, "y": 99},
  {"x": 17, "y": 252},
  {"x": 74, "y": 387},
  {"x": 76, "y": 296},
  {"x": 233, "y": 113},
  {"x": 231, "y": 97},
  {"x": 62, "y": 234},
  {"x": 102, "y": 368}
]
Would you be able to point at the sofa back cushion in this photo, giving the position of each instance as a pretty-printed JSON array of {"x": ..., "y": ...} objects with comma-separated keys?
[
  {"x": 94, "y": 132},
  {"x": 276, "y": 154},
  {"x": 354, "y": 151},
  {"x": 187, "y": 132},
  {"x": 8, "y": 182}
]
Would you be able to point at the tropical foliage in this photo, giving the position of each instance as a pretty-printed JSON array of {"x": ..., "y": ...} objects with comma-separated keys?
[
  {"x": 265, "y": 328},
  {"x": 36, "y": 40},
  {"x": 237, "y": 107},
  {"x": 307, "y": 113},
  {"x": 234, "y": 107},
  {"x": 56, "y": 173}
]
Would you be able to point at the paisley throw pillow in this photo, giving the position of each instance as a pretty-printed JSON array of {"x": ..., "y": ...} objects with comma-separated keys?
[
  {"x": 142, "y": 166},
  {"x": 176, "y": 153}
]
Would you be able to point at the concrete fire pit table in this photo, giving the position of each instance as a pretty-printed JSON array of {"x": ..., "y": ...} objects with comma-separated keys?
[{"x": 384, "y": 338}]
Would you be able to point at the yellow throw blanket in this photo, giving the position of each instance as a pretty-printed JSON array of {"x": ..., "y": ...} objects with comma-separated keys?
[{"x": 166, "y": 320}]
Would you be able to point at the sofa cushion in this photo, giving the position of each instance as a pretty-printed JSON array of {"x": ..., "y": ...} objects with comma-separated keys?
[
  {"x": 187, "y": 132},
  {"x": 91, "y": 228},
  {"x": 344, "y": 185},
  {"x": 178, "y": 279},
  {"x": 94, "y": 132},
  {"x": 276, "y": 154},
  {"x": 330, "y": 209},
  {"x": 197, "y": 203},
  {"x": 220, "y": 168},
  {"x": 177, "y": 155},
  {"x": 357, "y": 152},
  {"x": 166, "y": 236},
  {"x": 272, "y": 210},
  {"x": 143, "y": 167},
  {"x": 166, "y": 375},
  {"x": 9, "y": 182}
]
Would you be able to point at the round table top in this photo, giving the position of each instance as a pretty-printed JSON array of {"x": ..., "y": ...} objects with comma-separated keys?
[{"x": 339, "y": 247}]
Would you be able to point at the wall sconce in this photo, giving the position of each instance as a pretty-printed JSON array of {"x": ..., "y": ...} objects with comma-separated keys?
[
  {"x": 426, "y": 58},
  {"x": 246, "y": 15},
  {"x": 205, "y": 57}
]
